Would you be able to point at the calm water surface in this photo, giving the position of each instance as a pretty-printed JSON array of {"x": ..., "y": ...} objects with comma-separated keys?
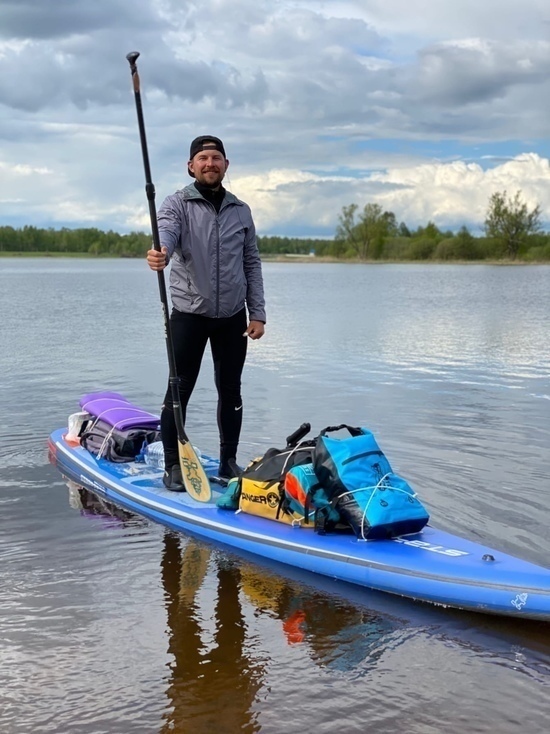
[{"x": 110, "y": 623}]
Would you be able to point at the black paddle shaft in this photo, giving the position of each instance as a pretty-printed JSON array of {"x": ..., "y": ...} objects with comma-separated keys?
[{"x": 150, "y": 191}]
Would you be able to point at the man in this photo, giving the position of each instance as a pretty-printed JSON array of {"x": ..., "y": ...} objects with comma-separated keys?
[{"x": 209, "y": 238}]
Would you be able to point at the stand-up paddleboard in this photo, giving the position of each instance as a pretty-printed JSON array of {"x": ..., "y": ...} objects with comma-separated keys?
[{"x": 430, "y": 566}]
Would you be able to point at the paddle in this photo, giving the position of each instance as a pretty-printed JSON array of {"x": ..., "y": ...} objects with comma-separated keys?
[{"x": 194, "y": 477}]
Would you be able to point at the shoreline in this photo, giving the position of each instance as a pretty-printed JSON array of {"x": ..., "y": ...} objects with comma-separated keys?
[{"x": 288, "y": 259}]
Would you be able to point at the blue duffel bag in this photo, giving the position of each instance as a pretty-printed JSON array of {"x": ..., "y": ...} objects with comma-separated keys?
[{"x": 362, "y": 487}]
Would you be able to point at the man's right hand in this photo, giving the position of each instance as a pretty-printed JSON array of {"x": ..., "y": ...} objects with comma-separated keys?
[{"x": 157, "y": 260}]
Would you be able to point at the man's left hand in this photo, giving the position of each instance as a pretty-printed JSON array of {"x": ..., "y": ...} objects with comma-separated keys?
[{"x": 255, "y": 330}]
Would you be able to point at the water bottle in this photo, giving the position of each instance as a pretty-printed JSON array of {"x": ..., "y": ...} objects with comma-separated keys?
[
  {"x": 76, "y": 423},
  {"x": 154, "y": 455}
]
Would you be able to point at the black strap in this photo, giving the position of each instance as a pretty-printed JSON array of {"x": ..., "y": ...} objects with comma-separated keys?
[
  {"x": 321, "y": 524},
  {"x": 354, "y": 430},
  {"x": 363, "y": 456},
  {"x": 309, "y": 497},
  {"x": 282, "y": 507}
]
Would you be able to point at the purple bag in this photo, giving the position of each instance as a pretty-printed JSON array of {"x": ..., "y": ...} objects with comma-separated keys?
[{"x": 116, "y": 429}]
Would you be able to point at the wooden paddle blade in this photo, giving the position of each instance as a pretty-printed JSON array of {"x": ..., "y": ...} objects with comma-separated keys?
[{"x": 194, "y": 477}]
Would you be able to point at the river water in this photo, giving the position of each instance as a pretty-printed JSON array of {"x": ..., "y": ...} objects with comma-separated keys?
[{"x": 111, "y": 623}]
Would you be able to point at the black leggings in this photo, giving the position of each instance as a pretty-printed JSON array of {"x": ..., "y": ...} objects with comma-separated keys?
[{"x": 190, "y": 333}]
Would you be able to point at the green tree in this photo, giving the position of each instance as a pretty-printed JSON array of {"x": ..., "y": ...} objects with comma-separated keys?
[
  {"x": 461, "y": 246},
  {"x": 421, "y": 248},
  {"x": 510, "y": 222},
  {"x": 366, "y": 232},
  {"x": 430, "y": 232}
]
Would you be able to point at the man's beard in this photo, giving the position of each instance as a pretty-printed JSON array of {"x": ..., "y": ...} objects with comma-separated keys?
[{"x": 207, "y": 184}]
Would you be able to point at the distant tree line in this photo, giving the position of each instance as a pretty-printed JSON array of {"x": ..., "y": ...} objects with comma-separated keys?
[
  {"x": 89, "y": 241},
  {"x": 511, "y": 231}
]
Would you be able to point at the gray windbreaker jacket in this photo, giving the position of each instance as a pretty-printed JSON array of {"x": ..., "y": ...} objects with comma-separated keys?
[{"x": 215, "y": 263}]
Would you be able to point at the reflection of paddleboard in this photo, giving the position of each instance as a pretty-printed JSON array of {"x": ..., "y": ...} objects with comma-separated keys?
[
  {"x": 431, "y": 566},
  {"x": 93, "y": 506}
]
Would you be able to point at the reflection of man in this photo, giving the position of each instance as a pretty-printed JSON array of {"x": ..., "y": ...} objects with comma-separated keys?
[{"x": 210, "y": 690}]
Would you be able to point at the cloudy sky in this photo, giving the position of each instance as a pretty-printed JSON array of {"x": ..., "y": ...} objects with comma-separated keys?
[{"x": 424, "y": 106}]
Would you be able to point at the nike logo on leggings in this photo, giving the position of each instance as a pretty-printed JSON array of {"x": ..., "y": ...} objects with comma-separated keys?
[{"x": 239, "y": 408}]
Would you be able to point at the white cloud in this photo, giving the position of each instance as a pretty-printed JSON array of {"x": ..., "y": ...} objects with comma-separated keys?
[
  {"x": 339, "y": 100},
  {"x": 457, "y": 193},
  {"x": 450, "y": 194},
  {"x": 22, "y": 169}
]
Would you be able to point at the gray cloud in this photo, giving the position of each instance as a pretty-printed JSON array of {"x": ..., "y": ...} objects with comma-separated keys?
[
  {"x": 40, "y": 19},
  {"x": 297, "y": 69},
  {"x": 456, "y": 75},
  {"x": 285, "y": 86},
  {"x": 407, "y": 21}
]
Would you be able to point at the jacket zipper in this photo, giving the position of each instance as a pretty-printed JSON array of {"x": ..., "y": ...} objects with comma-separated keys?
[
  {"x": 217, "y": 220},
  {"x": 217, "y": 223},
  {"x": 217, "y": 266}
]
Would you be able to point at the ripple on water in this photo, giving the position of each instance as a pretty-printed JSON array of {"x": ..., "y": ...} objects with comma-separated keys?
[{"x": 109, "y": 624}]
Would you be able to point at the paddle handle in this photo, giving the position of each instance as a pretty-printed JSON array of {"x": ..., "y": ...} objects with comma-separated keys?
[
  {"x": 149, "y": 185},
  {"x": 298, "y": 434}
]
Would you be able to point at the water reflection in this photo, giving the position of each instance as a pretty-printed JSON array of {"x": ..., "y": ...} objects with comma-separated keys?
[
  {"x": 209, "y": 683},
  {"x": 222, "y": 676},
  {"x": 448, "y": 320},
  {"x": 335, "y": 634},
  {"x": 219, "y": 639},
  {"x": 237, "y": 633},
  {"x": 91, "y": 505}
]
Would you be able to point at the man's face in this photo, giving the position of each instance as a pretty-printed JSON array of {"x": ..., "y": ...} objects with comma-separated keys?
[{"x": 209, "y": 167}]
